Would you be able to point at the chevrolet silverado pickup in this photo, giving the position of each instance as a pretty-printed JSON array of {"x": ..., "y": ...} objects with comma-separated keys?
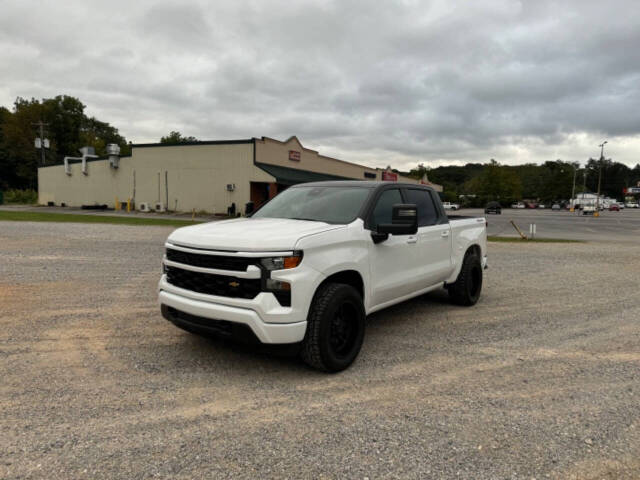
[{"x": 310, "y": 265}]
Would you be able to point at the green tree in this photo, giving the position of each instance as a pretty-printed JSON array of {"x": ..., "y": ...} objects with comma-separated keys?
[
  {"x": 7, "y": 169},
  {"x": 614, "y": 177},
  {"x": 452, "y": 178},
  {"x": 176, "y": 138},
  {"x": 18, "y": 142},
  {"x": 496, "y": 182},
  {"x": 68, "y": 129},
  {"x": 634, "y": 176}
]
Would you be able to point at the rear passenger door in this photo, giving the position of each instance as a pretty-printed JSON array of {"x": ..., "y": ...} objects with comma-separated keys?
[{"x": 434, "y": 237}]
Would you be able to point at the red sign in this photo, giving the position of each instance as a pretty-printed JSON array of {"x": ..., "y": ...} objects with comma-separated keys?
[
  {"x": 389, "y": 177},
  {"x": 294, "y": 156}
]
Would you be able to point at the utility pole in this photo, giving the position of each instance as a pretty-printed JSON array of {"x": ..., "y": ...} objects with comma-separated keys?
[
  {"x": 584, "y": 185},
  {"x": 573, "y": 189},
  {"x": 41, "y": 126},
  {"x": 600, "y": 176}
]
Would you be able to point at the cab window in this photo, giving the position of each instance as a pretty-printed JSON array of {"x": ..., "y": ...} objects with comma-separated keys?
[
  {"x": 383, "y": 209},
  {"x": 427, "y": 214}
]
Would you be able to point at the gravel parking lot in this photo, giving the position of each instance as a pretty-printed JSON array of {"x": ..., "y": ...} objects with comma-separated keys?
[{"x": 541, "y": 379}]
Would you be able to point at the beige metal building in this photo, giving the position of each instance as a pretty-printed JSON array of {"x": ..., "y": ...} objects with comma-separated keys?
[{"x": 210, "y": 176}]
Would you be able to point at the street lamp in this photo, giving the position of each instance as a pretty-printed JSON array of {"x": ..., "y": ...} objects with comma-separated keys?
[{"x": 602, "y": 149}]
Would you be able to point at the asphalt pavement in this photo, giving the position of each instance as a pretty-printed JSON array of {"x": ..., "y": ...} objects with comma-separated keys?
[{"x": 623, "y": 226}]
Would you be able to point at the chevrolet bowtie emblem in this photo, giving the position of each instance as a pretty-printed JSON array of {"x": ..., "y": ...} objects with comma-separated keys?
[{"x": 234, "y": 284}]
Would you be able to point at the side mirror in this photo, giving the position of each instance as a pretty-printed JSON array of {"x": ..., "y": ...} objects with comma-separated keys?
[{"x": 404, "y": 221}]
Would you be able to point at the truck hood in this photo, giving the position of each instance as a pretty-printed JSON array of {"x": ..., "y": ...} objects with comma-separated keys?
[{"x": 248, "y": 234}]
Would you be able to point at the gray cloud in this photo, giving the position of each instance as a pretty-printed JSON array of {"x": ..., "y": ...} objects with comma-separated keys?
[{"x": 386, "y": 82}]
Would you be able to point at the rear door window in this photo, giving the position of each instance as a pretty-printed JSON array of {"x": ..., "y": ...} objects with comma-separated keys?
[{"x": 427, "y": 214}]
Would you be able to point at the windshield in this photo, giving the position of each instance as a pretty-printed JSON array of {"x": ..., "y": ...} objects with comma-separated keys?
[{"x": 320, "y": 204}]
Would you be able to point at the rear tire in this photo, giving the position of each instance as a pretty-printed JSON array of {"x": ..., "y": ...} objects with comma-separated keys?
[
  {"x": 467, "y": 287},
  {"x": 335, "y": 328}
]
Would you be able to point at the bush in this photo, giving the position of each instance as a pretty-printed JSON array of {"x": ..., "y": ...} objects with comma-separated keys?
[{"x": 25, "y": 197}]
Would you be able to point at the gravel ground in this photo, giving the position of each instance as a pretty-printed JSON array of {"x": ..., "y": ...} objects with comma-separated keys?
[{"x": 541, "y": 379}]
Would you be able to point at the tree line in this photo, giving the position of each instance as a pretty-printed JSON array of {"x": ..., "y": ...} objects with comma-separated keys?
[
  {"x": 475, "y": 183},
  {"x": 68, "y": 129}
]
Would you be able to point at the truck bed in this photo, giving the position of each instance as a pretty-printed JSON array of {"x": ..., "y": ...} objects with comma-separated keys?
[{"x": 462, "y": 217}]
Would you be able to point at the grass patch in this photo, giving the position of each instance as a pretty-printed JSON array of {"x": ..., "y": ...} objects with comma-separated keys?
[
  {"x": 493, "y": 238},
  {"x": 73, "y": 218}
]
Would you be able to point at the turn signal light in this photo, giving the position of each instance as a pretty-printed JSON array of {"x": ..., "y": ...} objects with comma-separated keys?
[{"x": 292, "y": 262}]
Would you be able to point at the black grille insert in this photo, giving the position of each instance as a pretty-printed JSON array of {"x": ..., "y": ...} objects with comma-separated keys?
[
  {"x": 221, "y": 262},
  {"x": 222, "y": 285},
  {"x": 218, "y": 326}
]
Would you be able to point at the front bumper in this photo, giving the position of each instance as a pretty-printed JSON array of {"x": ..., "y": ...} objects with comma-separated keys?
[
  {"x": 269, "y": 321},
  {"x": 218, "y": 314}
]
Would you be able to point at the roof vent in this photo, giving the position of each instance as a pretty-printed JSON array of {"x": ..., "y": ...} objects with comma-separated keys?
[{"x": 113, "y": 149}]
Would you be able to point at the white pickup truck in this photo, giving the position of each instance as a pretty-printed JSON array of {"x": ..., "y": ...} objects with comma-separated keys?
[{"x": 311, "y": 264}]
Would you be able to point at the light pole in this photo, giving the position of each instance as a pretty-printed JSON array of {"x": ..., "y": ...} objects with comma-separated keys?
[
  {"x": 573, "y": 189},
  {"x": 602, "y": 149},
  {"x": 597, "y": 214}
]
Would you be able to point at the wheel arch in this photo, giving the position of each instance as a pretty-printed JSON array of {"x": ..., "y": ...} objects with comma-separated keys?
[
  {"x": 475, "y": 248},
  {"x": 471, "y": 249},
  {"x": 347, "y": 277}
]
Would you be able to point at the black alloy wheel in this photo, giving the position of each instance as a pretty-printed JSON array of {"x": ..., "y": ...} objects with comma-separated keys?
[{"x": 335, "y": 328}]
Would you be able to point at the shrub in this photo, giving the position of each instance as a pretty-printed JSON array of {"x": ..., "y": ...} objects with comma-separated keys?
[{"x": 25, "y": 197}]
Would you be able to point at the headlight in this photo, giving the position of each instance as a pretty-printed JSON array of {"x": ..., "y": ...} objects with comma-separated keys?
[{"x": 282, "y": 263}]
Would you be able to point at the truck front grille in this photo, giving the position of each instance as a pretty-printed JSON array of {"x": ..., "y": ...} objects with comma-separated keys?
[
  {"x": 221, "y": 262},
  {"x": 221, "y": 285}
]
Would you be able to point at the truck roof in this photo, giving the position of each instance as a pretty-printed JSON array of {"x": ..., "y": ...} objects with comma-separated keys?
[{"x": 359, "y": 183}]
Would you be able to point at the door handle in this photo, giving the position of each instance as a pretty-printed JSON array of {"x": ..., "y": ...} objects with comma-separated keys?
[
  {"x": 412, "y": 240},
  {"x": 445, "y": 234}
]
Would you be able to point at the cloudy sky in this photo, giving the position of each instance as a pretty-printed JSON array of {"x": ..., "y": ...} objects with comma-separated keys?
[{"x": 398, "y": 83}]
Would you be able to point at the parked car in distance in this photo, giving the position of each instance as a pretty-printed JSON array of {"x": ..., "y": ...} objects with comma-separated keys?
[
  {"x": 493, "y": 207},
  {"x": 450, "y": 206},
  {"x": 614, "y": 207},
  {"x": 556, "y": 206},
  {"x": 631, "y": 205},
  {"x": 518, "y": 205},
  {"x": 542, "y": 205},
  {"x": 588, "y": 210}
]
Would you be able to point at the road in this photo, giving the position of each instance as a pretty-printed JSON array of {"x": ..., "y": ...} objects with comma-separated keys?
[
  {"x": 623, "y": 226},
  {"x": 541, "y": 379}
]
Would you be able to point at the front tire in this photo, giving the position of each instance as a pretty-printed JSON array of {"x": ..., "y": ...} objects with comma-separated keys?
[
  {"x": 335, "y": 328},
  {"x": 467, "y": 287}
]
